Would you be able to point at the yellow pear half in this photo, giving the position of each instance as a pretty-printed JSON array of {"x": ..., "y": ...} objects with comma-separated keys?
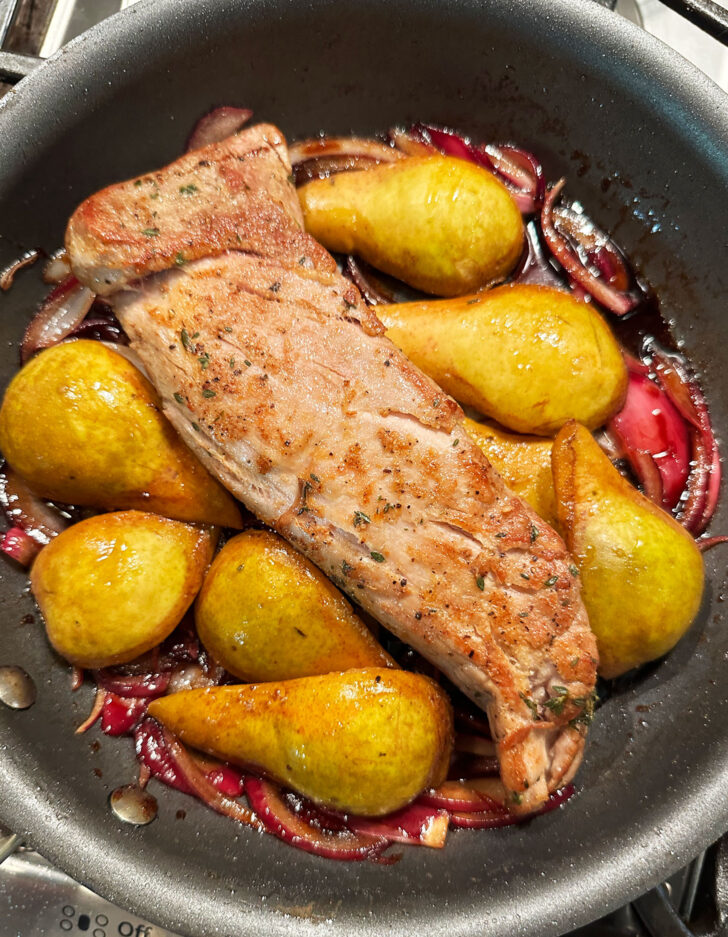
[
  {"x": 443, "y": 225},
  {"x": 266, "y": 613},
  {"x": 366, "y": 741},
  {"x": 530, "y": 357},
  {"x": 642, "y": 573},
  {"x": 523, "y": 462},
  {"x": 112, "y": 587},
  {"x": 82, "y": 425}
]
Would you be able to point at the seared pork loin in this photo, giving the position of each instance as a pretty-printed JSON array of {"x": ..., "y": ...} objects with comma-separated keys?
[{"x": 276, "y": 373}]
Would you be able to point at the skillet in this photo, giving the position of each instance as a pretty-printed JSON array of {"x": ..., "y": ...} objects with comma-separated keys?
[{"x": 643, "y": 139}]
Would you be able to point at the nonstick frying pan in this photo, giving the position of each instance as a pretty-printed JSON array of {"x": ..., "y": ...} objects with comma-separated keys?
[{"x": 643, "y": 140}]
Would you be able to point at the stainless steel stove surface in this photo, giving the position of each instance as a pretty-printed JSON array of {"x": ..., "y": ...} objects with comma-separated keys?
[{"x": 37, "y": 900}]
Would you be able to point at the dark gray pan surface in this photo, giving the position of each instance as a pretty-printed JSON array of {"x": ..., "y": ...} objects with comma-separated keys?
[{"x": 643, "y": 139}]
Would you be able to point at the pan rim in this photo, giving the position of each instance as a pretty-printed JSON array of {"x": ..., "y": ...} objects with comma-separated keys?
[{"x": 704, "y": 819}]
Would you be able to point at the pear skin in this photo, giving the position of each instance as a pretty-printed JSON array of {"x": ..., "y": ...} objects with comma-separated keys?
[
  {"x": 443, "y": 225},
  {"x": 365, "y": 741},
  {"x": 530, "y": 357},
  {"x": 642, "y": 573},
  {"x": 266, "y": 613},
  {"x": 83, "y": 426},
  {"x": 112, "y": 587},
  {"x": 523, "y": 462}
]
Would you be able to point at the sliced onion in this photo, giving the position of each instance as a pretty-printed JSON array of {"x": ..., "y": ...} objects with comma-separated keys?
[
  {"x": 7, "y": 277},
  {"x": 359, "y": 147},
  {"x": 58, "y": 267},
  {"x": 146, "y": 686},
  {"x": 62, "y": 311},
  {"x": 323, "y": 167},
  {"x": 367, "y": 282},
  {"x": 281, "y": 821},
  {"x": 96, "y": 710},
  {"x": 488, "y": 820},
  {"x": 452, "y": 144},
  {"x": 20, "y": 546},
  {"x": 522, "y": 173},
  {"x": 225, "y": 778},
  {"x": 418, "y": 824},
  {"x": 409, "y": 144},
  {"x": 24, "y": 509},
  {"x": 170, "y": 762},
  {"x": 120, "y": 715},
  {"x": 460, "y": 797},
  {"x": 77, "y": 678},
  {"x": 153, "y": 752},
  {"x": 535, "y": 265},
  {"x": 707, "y": 543},
  {"x": 216, "y": 125},
  {"x": 483, "y": 820},
  {"x": 653, "y": 436},
  {"x": 704, "y": 482},
  {"x": 101, "y": 328},
  {"x": 615, "y": 300}
]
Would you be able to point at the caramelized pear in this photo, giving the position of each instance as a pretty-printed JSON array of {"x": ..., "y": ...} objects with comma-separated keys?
[
  {"x": 82, "y": 425},
  {"x": 366, "y": 741},
  {"x": 642, "y": 574},
  {"x": 443, "y": 225},
  {"x": 115, "y": 585},
  {"x": 266, "y": 613},
  {"x": 523, "y": 462},
  {"x": 530, "y": 357}
]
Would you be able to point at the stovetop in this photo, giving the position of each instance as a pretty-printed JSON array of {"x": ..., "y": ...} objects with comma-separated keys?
[{"x": 37, "y": 900}]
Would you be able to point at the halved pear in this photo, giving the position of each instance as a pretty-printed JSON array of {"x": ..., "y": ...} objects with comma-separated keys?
[
  {"x": 366, "y": 741},
  {"x": 443, "y": 225},
  {"x": 523, "y": 462},
  {"x": 642, "y": 574},
  {"x": 115, "y": 585},
  {"x": 266, "y": 613},
  {"x": 530, "y": 357},
  {"x": 82, "y": 425}
]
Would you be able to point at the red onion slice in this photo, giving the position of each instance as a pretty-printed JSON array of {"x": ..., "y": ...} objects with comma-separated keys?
[
  {"x": 153, "y": 752},
  {"x": 62, "y": 311},
  {"x": 24, "y": 509},
  {"x": 368, "y": 284},
  {"x": 20, "y": 546},
  {"x": 358, "y": 147},
  {"x": 615, "y": 300},
  {"x": 281, "y": 821},
  {"x": 457, "y": 796},
  {"x": 410, "y": 145},
  {"x": 7, "y": 277},
  {"x": 419, "y": 824},
  {"x": 654, "y": 438},
  {"x": 705, "y": 477},
  {"x": 119, "y": 715},
  {"x": 452, "y": 144},
  {"x": 57, "y": 268},
  {"x": 96, "y": 710},
  {"x": 323, "y": 167},
  {"x": 522, "y": 173},
  {"x": 707, "y": 543},
  {"x": 216, "y": 125},
  {"x": 488, "y": 820},
  {"x": 141, "y": 686},
  {"x": 518, "y": 169}
]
